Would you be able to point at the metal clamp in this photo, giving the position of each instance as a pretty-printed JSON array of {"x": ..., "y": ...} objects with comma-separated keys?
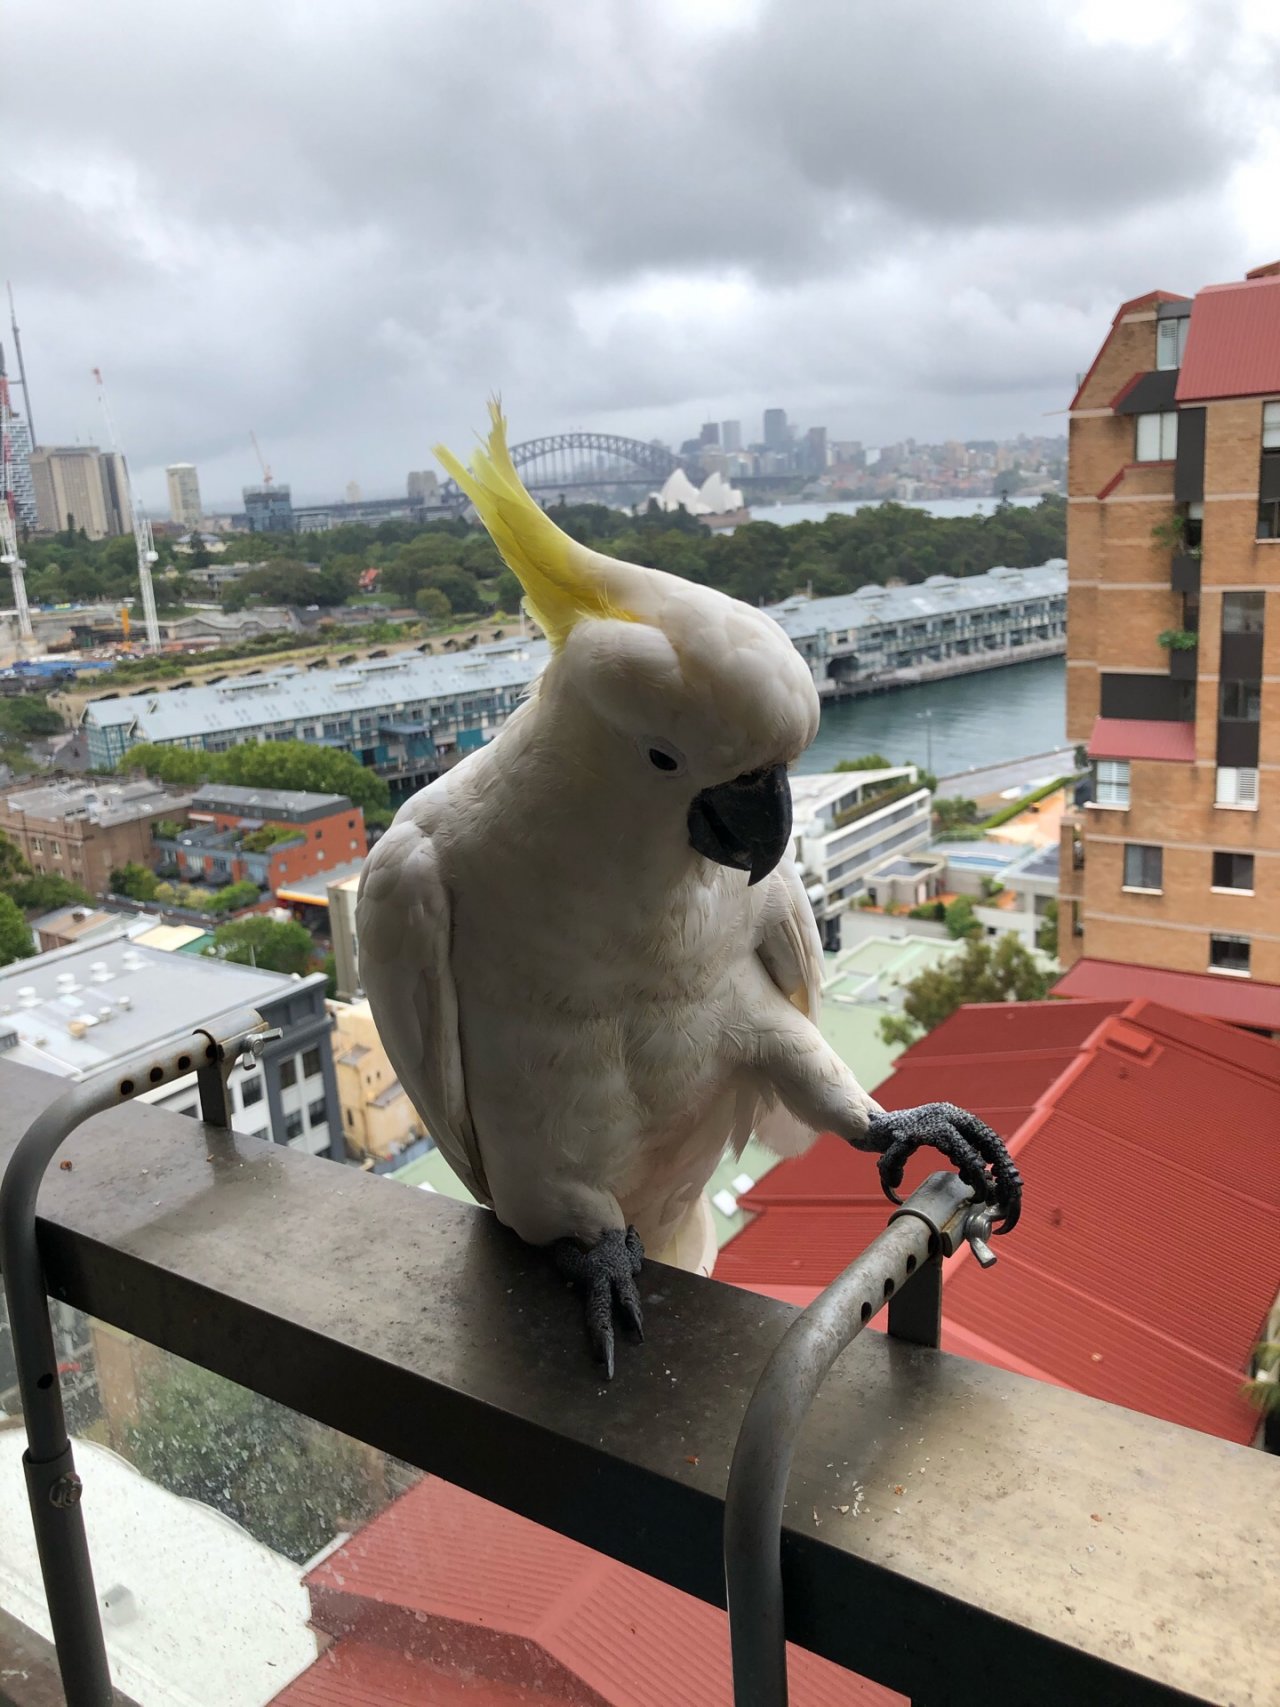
[
  {"x": 53, "y": 1486},
  {"x": 903, "y": 1267}
]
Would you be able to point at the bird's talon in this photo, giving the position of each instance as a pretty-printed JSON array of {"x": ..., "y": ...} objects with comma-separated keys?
[{"x": 606, "y": 1273}]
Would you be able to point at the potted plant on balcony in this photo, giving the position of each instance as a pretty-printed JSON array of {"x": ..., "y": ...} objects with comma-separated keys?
[{"x": 1180, "y": 644}]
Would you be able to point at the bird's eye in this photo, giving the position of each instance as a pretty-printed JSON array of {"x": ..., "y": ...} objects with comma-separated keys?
[{"x": 663, "y": 756}]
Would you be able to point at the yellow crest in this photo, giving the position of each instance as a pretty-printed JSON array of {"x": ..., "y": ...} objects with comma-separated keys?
[{"x": 560, "y": 582}]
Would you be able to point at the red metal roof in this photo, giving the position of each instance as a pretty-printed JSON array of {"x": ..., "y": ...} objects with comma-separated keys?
[
  {"x": 1233, "y": 345},
  {"x": 1236, "y": 1001},
  {"x": 1142, "y": 738},
  {"x": 451, "y": 1587},
  {"x": 1149, "y": 1249}
]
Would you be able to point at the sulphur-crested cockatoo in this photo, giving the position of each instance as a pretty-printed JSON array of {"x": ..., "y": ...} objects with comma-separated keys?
[{"x": 591, "y": 962}]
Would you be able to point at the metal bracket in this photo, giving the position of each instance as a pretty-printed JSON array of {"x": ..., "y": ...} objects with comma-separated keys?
[
  {"x": 53, "y": 1486},
  {"x": 903, "y": 1268}
]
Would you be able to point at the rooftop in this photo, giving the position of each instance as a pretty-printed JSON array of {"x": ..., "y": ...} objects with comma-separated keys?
[
  {"x": 80, "y": 1007},
  {"x": 209, "y": 1600},
  {"x": 815, "y": 791},
  {"x": 1142, "y": 738},
  {"x": 1235, "y": 1001},
  {"x": 313, "y": 891},
  {"x": 285, "y": 695},
  {"x": 1148, "y": 1293},
  {"x": 940, "y": 595},
  {"x": 294, "y": 805},
  {"x": 1233, "y": 346},
  {"x": 96, "y": 802}
]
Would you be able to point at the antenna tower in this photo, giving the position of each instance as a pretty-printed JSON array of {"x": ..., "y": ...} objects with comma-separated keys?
[
  {"x": 147, "y": 553},
  {"x": 9, "y": 555}
]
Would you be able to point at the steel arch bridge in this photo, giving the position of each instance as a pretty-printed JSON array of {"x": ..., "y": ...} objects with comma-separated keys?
[{"x": 564, "y": 462}]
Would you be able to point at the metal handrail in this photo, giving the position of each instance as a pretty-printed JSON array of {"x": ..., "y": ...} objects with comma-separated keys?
[
  {"x": 53, "y": 1485},
  {"x": 903, "y": 1268}
]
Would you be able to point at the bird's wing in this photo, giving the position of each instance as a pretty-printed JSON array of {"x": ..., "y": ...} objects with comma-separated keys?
[
  {"x": 790, "y": 947},
  {"x": 403, "y": 926},
  {"x": 790, "y": 950}
]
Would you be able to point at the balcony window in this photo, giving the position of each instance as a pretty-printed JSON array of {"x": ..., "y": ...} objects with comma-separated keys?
[
  {"x": 250, "y": 1092},
  {"x": 1243, "y": 613},
  {"x": 311, "y": 1064},
  {"x": 1229, "y": 954},
  {"x": 1171, "y": 341},
  {"x": 1111, "y": 782},
  {"x": 317, "y": 1113},
  {"x": 1240, "y": 701},
  {"x": 293, "y": 1127},
  {"x": 1237, "y": 786},
  {"x": 1143, "y": 867},
  {"x": 289, "y": 1072},
  {"x": 1233, "y": 871},
  {"x": 1156, "y": 437},
  {"x": 1271, "y": 426}
]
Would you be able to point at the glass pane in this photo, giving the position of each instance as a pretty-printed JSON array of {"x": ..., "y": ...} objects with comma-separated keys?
[
  {"x": 1271, "y": 426},
  {"x": 1167, "y": 341},
  {"x": 1243, "y": 613},
  {"x": 1169, "y": 435},
  {"x": 1148, "y": 439}
]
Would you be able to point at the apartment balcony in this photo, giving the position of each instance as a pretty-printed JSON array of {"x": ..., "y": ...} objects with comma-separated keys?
[
  {"x": 1184, "y": 575},
  {"x": 1059, "y": 1551}
]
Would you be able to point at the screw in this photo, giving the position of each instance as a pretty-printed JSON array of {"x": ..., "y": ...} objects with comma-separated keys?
[
  {"x": 254, "y": 1047},
  {"x": 66, "y": 1491},
  {"x": 977, "y": 1226}
]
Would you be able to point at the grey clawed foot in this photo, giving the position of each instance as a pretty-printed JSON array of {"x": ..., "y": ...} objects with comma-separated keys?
[
  {"x": 979, "y": 1154},
  {"x": 605, "y": 1272}
]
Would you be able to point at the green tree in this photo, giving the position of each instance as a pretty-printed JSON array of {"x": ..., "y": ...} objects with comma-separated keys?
[
  {"x": 12, "y": 864},
  {"x": 866, "y": 762},
  {"x": 185, "y": 765},
  {"x": 961, "y": 921},
  {"x": 136, "y": 881},
  {"x": 200, "y": 558},
  {"x": 45, "y": 890},
  {"x": 330, "y": 964},
  {"x": 986, "y": 971},
  {"x": 950, "y": 812},
  {"x": 433, "y": 604},
  {"x": 291, "y": 1483},
  {"x": 273, "y": 944},
  {"x": 301, "y": 764},
  {"x": 15, "y": 937},
  {"x": 29, "y": 714},
  {"x": 235, "y": 896}
]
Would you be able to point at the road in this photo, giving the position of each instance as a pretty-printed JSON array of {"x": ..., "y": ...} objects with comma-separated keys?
[{"x": 986, "y": 780}]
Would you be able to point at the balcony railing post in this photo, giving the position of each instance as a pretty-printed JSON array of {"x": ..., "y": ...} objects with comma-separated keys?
[
  {"x": 904, "y": 1267},
  {"x": 53, "y": 1486}
]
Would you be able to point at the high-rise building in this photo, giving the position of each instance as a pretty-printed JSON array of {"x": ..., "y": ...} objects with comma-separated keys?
[
  {"x": 269, "y": 509},
  {"x": 1174, "y": 553},
  {"x": 710, "y": 434},
  {"x": 24, "y": 492},
  {"x": 423, "y": 485},
  {"x": 815, "y": 450},
  {"x": 776, "y": 436},
  {"x": 184, "y": 494},
  {"x": 731, "y": 435},
  {"x": 70, "y": 490},
  {"x": 115, "y": 491}
]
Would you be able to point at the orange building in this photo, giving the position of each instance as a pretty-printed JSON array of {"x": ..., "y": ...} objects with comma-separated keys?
[
  {"x": 273, "y": 836},
  {"x": 1173, "y": 651}
]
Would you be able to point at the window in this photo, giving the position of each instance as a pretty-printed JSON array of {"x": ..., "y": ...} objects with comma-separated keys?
[
  {"x": 1156, "y": 439},
  {"x": 1112, "y": 782},
  {"x": 1233, "y": 871},
  {"x": 317, "y": 1112},
  {"x": 250, "y": 1092},
  {"x": 1237, "y": 787},
  {"x": 37, "y": 845},
  {"x": 293, "y": 1127},
  {"x": 351, "y": 1119},
  {"x": 1143, "y": 867},
  {"x": 1271, "y": 426},
  {"x": 1240, "y": 701},
  {"x": 311, "y": 1064},
  {"x": 1229, "y": 953},
  {"x": 1242, "y": 613},
  {"x": 1171, "y": 341},
  {"x": 289, "y": 1072}
]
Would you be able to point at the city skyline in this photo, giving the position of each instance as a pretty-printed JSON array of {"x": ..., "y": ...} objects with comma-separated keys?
[{"x": 250, "y": 264}]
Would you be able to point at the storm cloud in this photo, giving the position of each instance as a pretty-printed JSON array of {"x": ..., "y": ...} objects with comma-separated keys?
[{"x": 345, "y": 226}]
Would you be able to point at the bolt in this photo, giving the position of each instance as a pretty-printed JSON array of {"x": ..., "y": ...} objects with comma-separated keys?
[
  {"x": 66, "y": 1491},
  {"x": 254, "y": 1047}
]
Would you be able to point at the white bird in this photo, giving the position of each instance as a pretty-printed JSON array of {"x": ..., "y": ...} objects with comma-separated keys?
[{"x": 589, "y": 960}]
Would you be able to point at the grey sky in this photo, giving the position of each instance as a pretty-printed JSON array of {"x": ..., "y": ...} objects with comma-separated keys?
[{"x": 344, "y": 226}]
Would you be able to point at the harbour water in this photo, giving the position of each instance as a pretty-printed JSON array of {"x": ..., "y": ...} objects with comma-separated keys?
[
  {"x": 966, "y": 720},
  {"x": 787, "y": 515}
]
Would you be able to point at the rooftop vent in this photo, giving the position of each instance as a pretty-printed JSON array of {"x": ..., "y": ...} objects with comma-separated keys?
[
  {"x": 77, "y": 1027},
  {"x": 100, "y": 973},
  {"x": 132, "y": 960},
  {"x": 67, "y": 983},
  {"x": 124, "y": 1001},
  {"x": 27, "y": 997},
  {"x": 8, "y": 1039}
]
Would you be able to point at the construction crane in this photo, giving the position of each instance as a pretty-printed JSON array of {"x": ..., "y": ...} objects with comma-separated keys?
[
  {"x": 147, "y": 553},
  {"x": 266, "y": 472},
  {"x": 22, "y": 366},
  {"x": 9, "y": 554}
]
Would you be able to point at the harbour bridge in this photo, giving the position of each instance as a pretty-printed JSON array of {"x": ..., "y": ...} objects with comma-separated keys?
[{"x": 577, "y": 462}]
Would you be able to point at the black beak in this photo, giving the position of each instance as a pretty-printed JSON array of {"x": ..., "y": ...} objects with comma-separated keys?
[{"x": 745, "y": 823}]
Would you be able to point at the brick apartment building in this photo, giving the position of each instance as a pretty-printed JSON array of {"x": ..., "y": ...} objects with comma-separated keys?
[
  {"x": 84, "y": 831},
  {"x": 227, "y": 838},
  {"x": 1173, "y": 653}
]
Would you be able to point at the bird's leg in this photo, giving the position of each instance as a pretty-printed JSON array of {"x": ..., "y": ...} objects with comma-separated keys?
[
  {"x": 605, "y": 1272},
  {"x": 814, "y": 1083}
]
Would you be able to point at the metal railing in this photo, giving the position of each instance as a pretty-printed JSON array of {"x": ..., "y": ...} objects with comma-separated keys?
[{"x": 1058, "y": 1551}]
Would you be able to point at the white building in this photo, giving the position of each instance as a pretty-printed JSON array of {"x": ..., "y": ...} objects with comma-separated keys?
[
  {"x": 849, "y": 822},
  {"x": 184, "y": 493},
  {"x": 87, "y": 1007}
]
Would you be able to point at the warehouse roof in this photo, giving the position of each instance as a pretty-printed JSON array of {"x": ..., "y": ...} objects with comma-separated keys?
[
  {"x": 940, "y": 595},
  {"x": 284, "y": 696}
]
